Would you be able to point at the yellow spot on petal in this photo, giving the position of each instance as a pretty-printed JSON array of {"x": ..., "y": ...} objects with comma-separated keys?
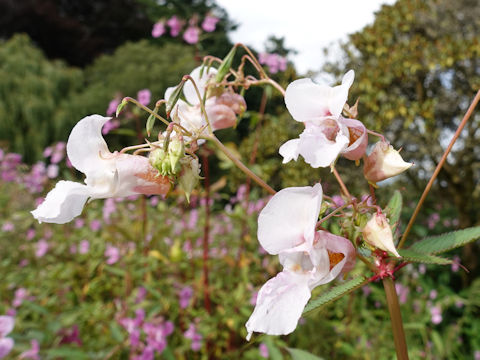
[{"x": 335, "y": 258}]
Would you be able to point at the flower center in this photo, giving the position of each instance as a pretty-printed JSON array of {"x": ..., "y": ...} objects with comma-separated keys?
[
  {"x": 335, "y": 258},
  {"x": 330, "y": 129},
  {"x": 354, "y": 134}
]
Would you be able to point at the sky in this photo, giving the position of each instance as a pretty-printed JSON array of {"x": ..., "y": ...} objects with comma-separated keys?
[{"x": 307, "y": 25}]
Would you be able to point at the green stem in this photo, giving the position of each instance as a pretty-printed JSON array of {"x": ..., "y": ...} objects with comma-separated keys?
[
  {"x": 239, "y": 164},
  {"x": 396, "y": 319}
]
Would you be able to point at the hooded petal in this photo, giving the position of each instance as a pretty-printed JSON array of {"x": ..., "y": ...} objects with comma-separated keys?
[
  {"x": 339, "y": 94},
  {"x": 307, "y": 101},
  {"x": 6, "y": 325},
  {"x": 289, "y": 150},
  {"x": 6, "y": 345},
  {"x": 280, "y": 304},
  {"x": 358, "y": 138},
  {"x": 63, "y": 203},
  {"x": 317, "y": 150},
  {"x": 86, "y": 147},
  {"x": 289, "y": 218},
  {"x": 201, "y": 82}
]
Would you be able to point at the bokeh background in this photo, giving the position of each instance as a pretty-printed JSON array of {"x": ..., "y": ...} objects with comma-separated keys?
[{"x": 132, "y": 270}]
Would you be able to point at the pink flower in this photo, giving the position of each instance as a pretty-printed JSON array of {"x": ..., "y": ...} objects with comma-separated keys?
[
  {"x": 158, "y": 29},
  {"x": 191, "y": 35},
  {"x": 144, "y": 97},
  {"x": 83, "y": 247},
  {"x": 20, "y": 295},
  {"x": 402, "y": 292},
  {"x": 112, "y": 107},
  {"x": 33, "y": 352},
  {"x": 185, "y": 294},
  {"x": 175, "y": 25},
  {"x": 286, "y": 226},
  {"x": 41, "y": 248},
  {"x": 110, "y": 125},
  {"x": 6, "y": 326},
  {"x": 327, "y": 134},
  {"x": 107, "y": 175},
  {"x": 263, "y": 349},
  {"x": 8, "y": 226},
  {"x": 52, "y": 171},
  {"x": 436, "y": 313},
  {"x": 112, "y": 253},
  {"x": 95, "y": 225},
  {"x": 209, "y": 23}
]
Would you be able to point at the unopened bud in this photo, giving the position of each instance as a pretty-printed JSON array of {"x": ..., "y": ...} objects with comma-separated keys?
[
  {"x": 156, "y": 158},
  {"x": 383, "y": 163},
  {"x": 234, "y": 101},
  {"x": 189, "y": 176},
  {"x": 377, "y": 232},
  {"x": 221, "y": 116},
  {"x": 176, "y": 150}
]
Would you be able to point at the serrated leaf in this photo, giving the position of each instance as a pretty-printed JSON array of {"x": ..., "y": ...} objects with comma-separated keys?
[
  {"x": 445, "y": 242},
  {"x": 394, "y": 208},
  {"x": 335, "y": 293},
  {"x": 298, "y": 354},
  {"x": 413, "y": 256}
]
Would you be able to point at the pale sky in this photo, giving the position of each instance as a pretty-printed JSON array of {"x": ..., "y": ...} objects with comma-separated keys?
[{"x": 307, "y": 25}]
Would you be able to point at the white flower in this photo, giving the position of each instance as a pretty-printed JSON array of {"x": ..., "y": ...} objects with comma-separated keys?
[
  {"x": 326, "y": 133},
  {"x": 107, "y": 174},
  {"x": 286, "y": 226}
]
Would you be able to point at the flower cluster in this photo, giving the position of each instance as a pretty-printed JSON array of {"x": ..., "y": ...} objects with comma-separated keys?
[
  {"x": 274, "y": 62},
  {"x": 192, "y": 33}
]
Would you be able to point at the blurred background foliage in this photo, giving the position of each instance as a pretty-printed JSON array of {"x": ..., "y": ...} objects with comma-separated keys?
[{"x": 417, "y": 68}]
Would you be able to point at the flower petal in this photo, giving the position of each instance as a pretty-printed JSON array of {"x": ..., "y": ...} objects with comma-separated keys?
[
  {"x": 307, "y": 101},
  {"x": 201, "y": 82},
  {"x": 6, "y": 325},
  {"x": 289, "y": 150},
  {"x": 358, "y": 138},
  {"x": 339, "y": 94},
  {"x": 63, "y": 203},
  {"x": 280, "y": 304},
  {"x": 317, "y": 150},
  {"x": 86, "y": 146},
  {"x": 289, "y": 218},
  {"x": 6, "y": 345}
]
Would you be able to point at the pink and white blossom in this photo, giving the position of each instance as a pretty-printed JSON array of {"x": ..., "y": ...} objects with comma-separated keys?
[
  {"x": 327, "y": 134},
  {"x": 6, "y": 326},
  {"x": 286, "y": 226},
  {"x": 210, "y": 23},
  {"x": 107, "y": 174}
]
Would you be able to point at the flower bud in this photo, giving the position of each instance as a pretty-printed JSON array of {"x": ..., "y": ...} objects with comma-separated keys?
[
  {"x": 221, "y": 116},
  {"x": 377, "y": 232},
  {"x": 176, "y": 150},
  {"x": 234, "y": 101},
  {"x": 156, "y": 158},
  {"x": 383, "y": 163},
  {"x": 189, "y": 176}
]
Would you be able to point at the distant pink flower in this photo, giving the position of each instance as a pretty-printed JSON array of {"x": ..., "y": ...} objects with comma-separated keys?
[
  {"x": 191, "y": 35},
  {"x": 263, "y": 349},
  {"x": 112, "y": 253},
  {"x": 95, "y": 225},
  {"x": 52, "y": 171},
  {"x": 20, "y": 295},
  {"x": 110, "y": 125},
  {"x": 141, "y": 294},
  {"x": 6, "y": 326},
  {"x": 402, "y": 292},
  {"x": 154, "y": 200},
  {"x": 41, "y": 248},
  {"x": 477, "y": 355},
  {"x": 196, "y": 338},
  {"x": 8, "y": 226},
  {"x": 433, "y": 294},
  {"x": 112, "y": 107},
  {"x": 144, "y": 97},
  {"x": 185, "y": 294},
  {"x": 209, "y": 23},
  {"x": 70, "y": 335},
  {"x": 338, "y": 200},
  {"x": 47, "y": 152},
  {"x": 158, "y": 29},
  {"x": 436, "y": 313},
  {"x": 175, "y": 25},
  {"x": 83, "y": 247},
  {"x": 456, "y": 263},
  {"x": 79, "y": 223},
  {"x": 32, "y": 353}
]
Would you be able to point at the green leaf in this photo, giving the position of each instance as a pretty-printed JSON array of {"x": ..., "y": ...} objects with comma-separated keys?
[
  {"x": 298, "y": 354},
  {"x": 335, "y": 293},
  {"x": 413, "y": 256},
  {"x": 226, "y": 65},
  {"x": 445, "y": 242},
  {"x": 394, "y": 208}
]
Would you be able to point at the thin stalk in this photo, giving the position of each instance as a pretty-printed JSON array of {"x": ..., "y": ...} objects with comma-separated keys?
[
  {"x": 202, "y": 104},
  {"x": 341, "y": 183},
  {"x": 132, "y": 100},
  {"x": 396, "y": 319},
  {"x": 439, "y": 167},
  {"x": 239, "y": 164}
]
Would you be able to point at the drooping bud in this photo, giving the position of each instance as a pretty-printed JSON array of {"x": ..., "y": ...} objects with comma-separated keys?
[
  {"x": 234, "y": 101},
  {"x": 189, "y": 176},
  {"x": 221, "y": 116},
  {"x": 377, "y": 232},
  {"x": 121, "y": 106},
  {"x": 383, "y": 163}
]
